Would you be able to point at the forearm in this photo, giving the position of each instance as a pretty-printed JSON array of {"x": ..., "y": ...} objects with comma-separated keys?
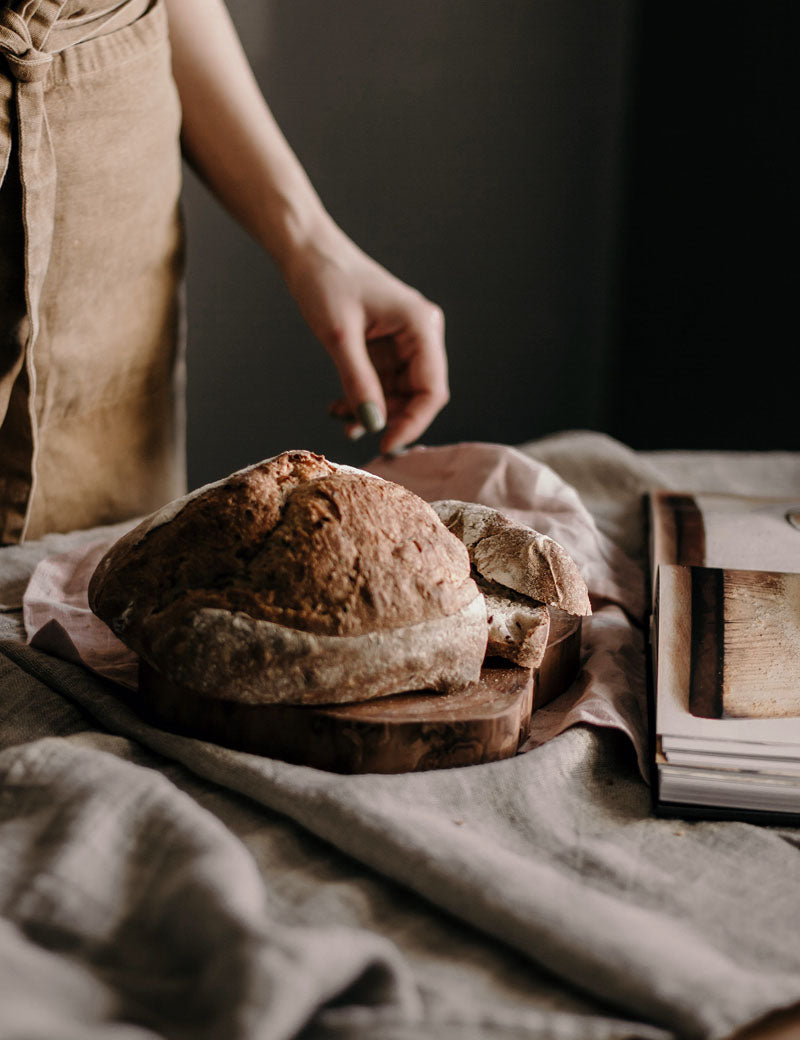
[
  {"x": 347, "y": 298},
  {"x": 230, "y": 135}
]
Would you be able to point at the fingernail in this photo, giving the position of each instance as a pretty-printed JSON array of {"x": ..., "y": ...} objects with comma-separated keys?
[
  {"x": 356, "y": 432},
  {"x": 371, "y": 418}
]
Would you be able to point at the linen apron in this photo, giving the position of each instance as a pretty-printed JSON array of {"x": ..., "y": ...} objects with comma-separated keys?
[{"x": 91, "y": 257}]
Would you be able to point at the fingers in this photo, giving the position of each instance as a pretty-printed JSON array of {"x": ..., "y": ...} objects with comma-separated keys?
[
  {"x": 409, "y": 424},
  {"x": 362, "y": 387},
  {"x": 410, "y": 366},
  {"x": 426, "y": 390},
  {"x": 341, "y": 410}
]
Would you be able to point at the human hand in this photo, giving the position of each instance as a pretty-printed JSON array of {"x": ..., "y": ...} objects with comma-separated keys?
[{"x": 385, "y": 338}]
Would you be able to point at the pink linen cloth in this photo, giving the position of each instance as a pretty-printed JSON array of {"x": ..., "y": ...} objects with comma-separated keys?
[
  {"x": 58, "y": 620},
  {"x": 610, "y": 689}
]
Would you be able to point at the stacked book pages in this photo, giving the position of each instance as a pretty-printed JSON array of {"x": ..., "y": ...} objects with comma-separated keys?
[{"x": 725, "y": 645}]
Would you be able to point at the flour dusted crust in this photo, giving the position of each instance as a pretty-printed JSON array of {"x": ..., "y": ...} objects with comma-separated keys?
[
  {"x": 296, "y": 581},
  {"x": 255, "y": 661},
  {"x": 515, "y": 556}
]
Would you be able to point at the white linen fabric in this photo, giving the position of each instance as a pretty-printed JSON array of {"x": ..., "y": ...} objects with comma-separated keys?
[{"x": 157, "y": 886}]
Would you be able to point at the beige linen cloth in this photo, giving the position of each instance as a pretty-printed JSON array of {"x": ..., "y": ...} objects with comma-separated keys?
[
  {"x": 91, "y": 367},
  {"x": 156, "y": 886}
]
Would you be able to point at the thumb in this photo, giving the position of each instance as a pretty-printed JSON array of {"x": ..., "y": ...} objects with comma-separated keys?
[{"x": 362, "y": 387}]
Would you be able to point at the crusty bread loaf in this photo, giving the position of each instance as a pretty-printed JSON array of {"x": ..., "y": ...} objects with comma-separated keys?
[
  {"x": 515, "y": 556},
  {"x": 296, "y": 581}
]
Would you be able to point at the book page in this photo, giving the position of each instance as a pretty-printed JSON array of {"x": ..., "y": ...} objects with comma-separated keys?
[
  {"x": 752, "y": 534},
  {"x": 675, "y": 723}
]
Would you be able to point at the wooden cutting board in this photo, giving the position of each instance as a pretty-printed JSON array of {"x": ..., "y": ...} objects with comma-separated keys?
[{"x": 484, "y": 722}]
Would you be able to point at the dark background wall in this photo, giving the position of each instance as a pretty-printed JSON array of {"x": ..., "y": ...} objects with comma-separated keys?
[
  {"x": 578, "y": 183},
  {"x": 707, "y": 341}
]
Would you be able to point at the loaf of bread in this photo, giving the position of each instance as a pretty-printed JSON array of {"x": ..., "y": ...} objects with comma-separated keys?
[
  {"x": 521, "y": 573},
  {"x": 296, "y": 581}
]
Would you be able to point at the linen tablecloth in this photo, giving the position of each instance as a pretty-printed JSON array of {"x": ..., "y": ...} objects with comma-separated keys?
[{"x": 158, "y": 886}]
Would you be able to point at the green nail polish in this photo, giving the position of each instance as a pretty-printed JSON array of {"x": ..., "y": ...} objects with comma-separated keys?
[{"x": 370, "y": 416}]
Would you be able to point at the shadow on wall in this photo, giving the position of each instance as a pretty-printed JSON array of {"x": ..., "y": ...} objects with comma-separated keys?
[{"x": 474, "y": 150}]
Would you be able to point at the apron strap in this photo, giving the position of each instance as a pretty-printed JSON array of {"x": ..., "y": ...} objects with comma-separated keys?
[{"x": 23, "y": 39}]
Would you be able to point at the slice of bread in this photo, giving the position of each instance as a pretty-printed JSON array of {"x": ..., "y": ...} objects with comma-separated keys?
[
  {"x": 518, "y": 627},
  {"x": 523, "y": 575},
  {"x": 515, "y": 556}
]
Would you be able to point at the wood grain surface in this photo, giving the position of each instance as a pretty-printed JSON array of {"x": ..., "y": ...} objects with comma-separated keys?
[{"x": 745, "y": 647}]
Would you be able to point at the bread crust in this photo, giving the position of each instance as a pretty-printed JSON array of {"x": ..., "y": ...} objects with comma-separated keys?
[
  {"x": 511, "y": 554},
  {"x": 239, "y": 658},
  {"x": 285, "y": 567}
]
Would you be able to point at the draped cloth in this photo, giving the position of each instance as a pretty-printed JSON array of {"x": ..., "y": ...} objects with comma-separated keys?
[
  {"x": 157, "y": 886},
  {"x": 91, "y": 358}
]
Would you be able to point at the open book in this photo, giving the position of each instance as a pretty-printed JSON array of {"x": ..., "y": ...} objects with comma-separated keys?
[{"x": 726, "y": 654}]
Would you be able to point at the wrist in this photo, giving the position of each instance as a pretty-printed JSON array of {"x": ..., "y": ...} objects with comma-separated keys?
[
  {"x": 307, "y": 242},
  {"x": 293, "y": 227}
]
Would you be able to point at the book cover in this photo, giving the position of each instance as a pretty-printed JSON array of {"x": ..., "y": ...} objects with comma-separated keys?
[{"x": 726, "y": 654}]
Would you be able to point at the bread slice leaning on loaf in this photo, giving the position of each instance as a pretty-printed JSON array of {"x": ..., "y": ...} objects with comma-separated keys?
[
  {"x": 522, "y": 573},
  {"x": 296, "y": 581}
]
